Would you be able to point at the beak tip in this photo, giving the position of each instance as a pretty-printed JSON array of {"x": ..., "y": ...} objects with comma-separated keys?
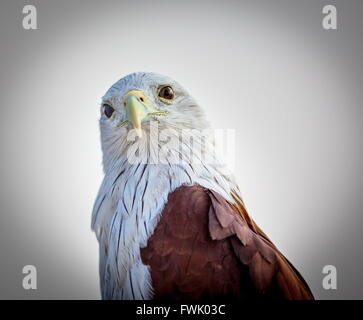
[{"x": 138, "y": 132}]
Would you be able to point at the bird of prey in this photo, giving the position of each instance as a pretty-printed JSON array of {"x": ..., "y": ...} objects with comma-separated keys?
[{"x": 170, "y": 223}]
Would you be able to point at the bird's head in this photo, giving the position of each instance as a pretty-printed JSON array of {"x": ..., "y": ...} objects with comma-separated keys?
[{"x": 141, "y": 101}]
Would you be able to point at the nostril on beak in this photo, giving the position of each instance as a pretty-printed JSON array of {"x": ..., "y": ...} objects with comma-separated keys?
[{"x": 141, "y": 99}]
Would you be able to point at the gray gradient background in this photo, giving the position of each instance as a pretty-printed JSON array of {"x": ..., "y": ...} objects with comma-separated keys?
[{"x": 292, "y": 90}]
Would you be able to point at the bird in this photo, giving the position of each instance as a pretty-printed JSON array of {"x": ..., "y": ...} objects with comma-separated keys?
[{"x": 169, "y": 216}]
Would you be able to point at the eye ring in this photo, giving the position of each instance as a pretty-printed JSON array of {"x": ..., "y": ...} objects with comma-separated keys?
[
  {"x": 166, "y": 93},
  {"x": 108, "y": 110}
]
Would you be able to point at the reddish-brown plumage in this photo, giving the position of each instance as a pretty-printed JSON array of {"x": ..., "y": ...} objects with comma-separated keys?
[{"x": 205, "y": 248}]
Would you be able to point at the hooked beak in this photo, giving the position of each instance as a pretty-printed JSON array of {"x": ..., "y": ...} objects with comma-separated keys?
[
  {"x": 138, "y": 109},
  {"x": 135, "y": 113}
]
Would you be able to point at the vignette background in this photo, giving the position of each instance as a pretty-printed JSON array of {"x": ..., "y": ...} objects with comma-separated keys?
[{"x": 294, "y": 93}]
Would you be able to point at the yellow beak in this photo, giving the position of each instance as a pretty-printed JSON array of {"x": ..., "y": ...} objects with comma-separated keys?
[
  {"x": 137, "y": 109},
  {"x": 135, "y": 113}
]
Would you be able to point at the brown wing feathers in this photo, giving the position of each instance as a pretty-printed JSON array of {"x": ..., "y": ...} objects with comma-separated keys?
[{"x": 203, "y": 247}]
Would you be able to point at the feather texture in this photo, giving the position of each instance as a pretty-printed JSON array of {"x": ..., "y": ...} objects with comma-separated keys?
[{"x": 203, "y": 247}]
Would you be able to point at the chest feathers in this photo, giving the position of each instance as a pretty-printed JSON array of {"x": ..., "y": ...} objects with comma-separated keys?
[{"x": 126, "y": 211}]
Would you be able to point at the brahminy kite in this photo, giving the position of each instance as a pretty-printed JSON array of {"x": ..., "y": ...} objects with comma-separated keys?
[{"x": 169, "y": 217}]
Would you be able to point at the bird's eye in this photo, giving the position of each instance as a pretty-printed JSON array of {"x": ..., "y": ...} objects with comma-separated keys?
[
  {"x": 166, "y": 93},
  {"x": 108, "y": 110}
]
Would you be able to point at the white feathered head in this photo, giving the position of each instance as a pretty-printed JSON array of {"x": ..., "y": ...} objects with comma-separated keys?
[{"x": 139, "y": 102}]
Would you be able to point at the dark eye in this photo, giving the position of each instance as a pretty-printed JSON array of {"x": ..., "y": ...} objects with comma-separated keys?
[
  {"x": 166, "y": 93},
  {"x": 108, "y": 110}
]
